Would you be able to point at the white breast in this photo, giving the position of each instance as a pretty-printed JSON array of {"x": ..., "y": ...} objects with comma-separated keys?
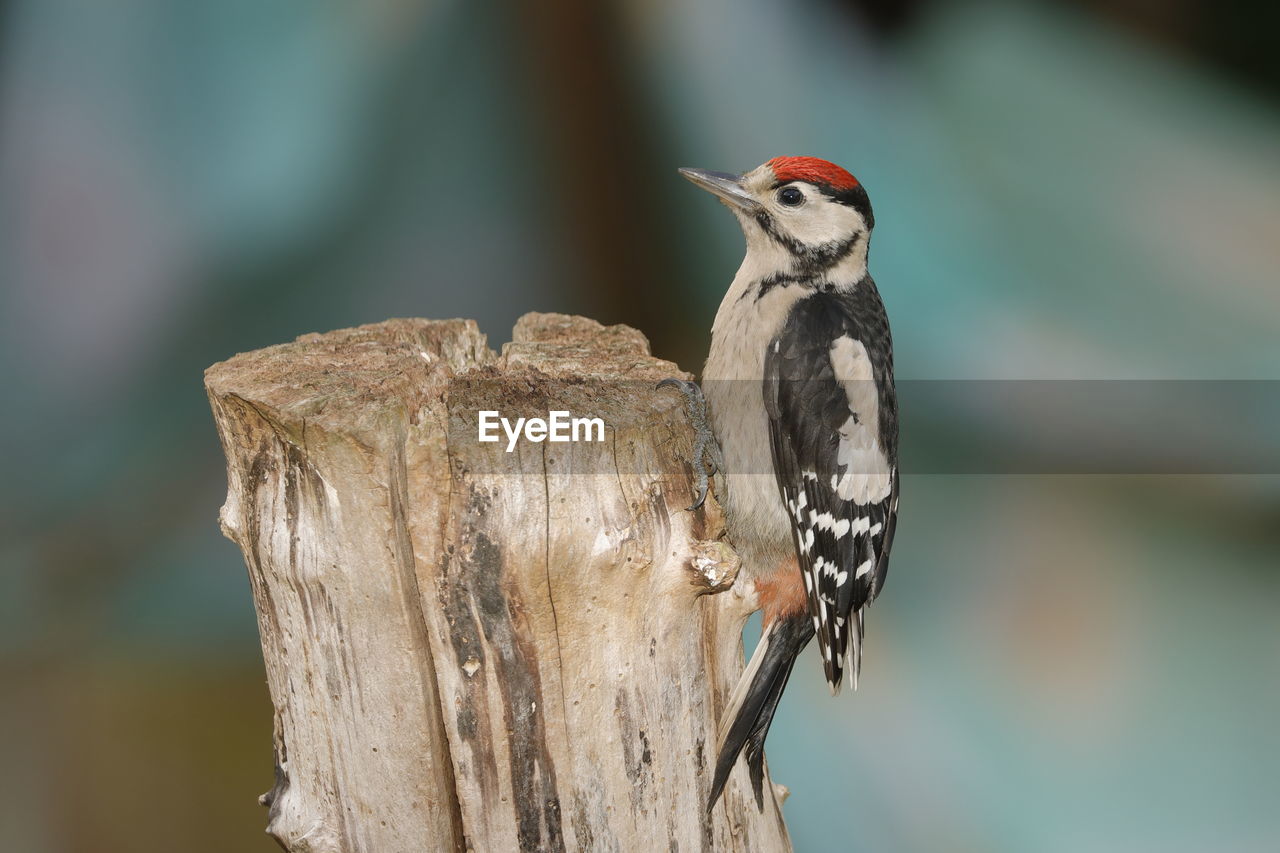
[{"x": 732, "y": 383}]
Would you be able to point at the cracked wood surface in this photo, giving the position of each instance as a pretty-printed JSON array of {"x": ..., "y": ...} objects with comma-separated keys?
[{"x": 474, "y": 649}]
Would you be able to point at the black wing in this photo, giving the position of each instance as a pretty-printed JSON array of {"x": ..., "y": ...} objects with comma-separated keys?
[{"x": 833, "y": 430}]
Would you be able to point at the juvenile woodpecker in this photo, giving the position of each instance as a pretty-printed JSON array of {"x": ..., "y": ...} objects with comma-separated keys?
[{"x": 799, "y": 389}]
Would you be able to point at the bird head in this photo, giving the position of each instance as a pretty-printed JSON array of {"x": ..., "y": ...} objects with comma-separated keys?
[{"x": 801, "y": 216}]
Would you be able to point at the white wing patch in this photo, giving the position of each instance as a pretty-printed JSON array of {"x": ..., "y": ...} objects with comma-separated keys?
[{"x": 865, "y": 473}]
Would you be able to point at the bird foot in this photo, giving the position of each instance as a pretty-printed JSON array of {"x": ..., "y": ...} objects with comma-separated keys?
[{"x": 707, "y": 460}]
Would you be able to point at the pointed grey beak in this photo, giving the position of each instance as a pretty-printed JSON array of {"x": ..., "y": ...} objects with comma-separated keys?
[{"x": 724, "y": 186}]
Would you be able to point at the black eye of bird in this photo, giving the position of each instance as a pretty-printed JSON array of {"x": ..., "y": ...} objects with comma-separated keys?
[{"x": 791, "y": 196}]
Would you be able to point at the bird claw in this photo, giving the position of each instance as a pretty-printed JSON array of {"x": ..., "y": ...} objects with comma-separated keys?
[{"x": 706, "y": 451}]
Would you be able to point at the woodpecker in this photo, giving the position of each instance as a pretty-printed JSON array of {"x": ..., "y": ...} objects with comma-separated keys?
[{"x": 799, "y": 391}]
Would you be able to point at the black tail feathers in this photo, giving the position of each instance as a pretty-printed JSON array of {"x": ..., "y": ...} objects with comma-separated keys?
[{"x": 754, "y": 700}]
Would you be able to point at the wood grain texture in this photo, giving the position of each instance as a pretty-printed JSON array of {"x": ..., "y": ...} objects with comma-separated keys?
[{"x": 470, "y": 649}]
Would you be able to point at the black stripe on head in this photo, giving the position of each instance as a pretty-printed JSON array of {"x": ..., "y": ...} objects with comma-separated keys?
[
  {"x": 855, "y": 197},
  {"x": 810, "y": 260}
]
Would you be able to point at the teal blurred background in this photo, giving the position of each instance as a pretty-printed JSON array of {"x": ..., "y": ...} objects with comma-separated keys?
[{"x": 1062, "y": 190}]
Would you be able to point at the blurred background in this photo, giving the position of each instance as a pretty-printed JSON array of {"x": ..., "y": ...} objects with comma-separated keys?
[{"x": 1063, "y": 189}]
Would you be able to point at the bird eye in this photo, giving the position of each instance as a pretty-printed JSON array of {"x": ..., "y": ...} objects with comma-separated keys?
[{"x": 791, "y": 196}]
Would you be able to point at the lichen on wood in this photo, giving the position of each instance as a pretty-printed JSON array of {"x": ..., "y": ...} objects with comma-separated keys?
[{"x": 474, "y": 649}]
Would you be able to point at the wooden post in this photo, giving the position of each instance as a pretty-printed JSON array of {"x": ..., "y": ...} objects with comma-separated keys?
[{"x": 470, "y": 649}]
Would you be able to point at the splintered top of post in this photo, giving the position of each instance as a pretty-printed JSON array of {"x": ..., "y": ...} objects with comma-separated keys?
[
  {"x": 349, "y": 376},
  {"x": 565, "y": 345},
  {"x": 349, "y": 380}
]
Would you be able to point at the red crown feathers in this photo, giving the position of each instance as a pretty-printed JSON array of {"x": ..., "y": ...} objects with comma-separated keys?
[{"x": 813, "y": 170}]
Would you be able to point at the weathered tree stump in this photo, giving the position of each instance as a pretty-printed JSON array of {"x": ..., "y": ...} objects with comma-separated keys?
[{"x": 470, "y": 649}]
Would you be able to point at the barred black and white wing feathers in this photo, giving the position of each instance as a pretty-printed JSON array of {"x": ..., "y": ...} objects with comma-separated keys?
[{"x": 833, "y": 433}]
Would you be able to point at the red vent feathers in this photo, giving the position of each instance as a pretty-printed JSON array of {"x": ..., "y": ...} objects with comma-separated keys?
[{"x": 813, "y": 170}]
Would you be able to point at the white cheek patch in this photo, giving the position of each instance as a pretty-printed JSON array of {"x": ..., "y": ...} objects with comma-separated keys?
[{"x": 819, "y": 220}]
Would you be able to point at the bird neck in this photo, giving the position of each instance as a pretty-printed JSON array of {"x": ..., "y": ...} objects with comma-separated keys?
[
  {"x": 769, "y": 265},
  {"x": 774, "y": 256},
  {"x": 847, "y": 271}
]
